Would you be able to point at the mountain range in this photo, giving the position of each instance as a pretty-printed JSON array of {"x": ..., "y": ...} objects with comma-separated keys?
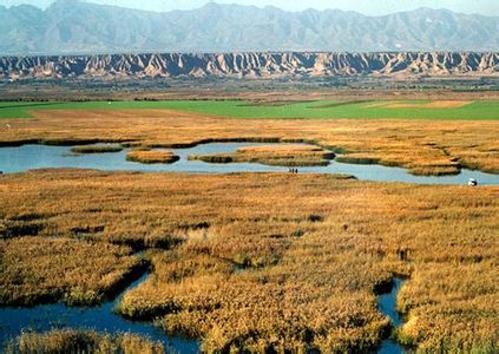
[{"x": 77, "y": 27}]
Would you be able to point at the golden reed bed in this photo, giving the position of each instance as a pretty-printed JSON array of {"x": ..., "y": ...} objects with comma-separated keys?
[
  {"x": 81, "y": 341},
  {"x": 269, "y": 261},
  {"x": 152, "y": 156},
  {"x": 279, "y": 155}
]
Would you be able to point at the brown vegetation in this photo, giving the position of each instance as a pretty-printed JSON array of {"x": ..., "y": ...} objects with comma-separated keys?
[
  {"x": 277, "y": 155},
  {"x": 274, "y": 261},
  {"x": 424, "y": 167},
  {"x": 36, "y": 269},
  {"x": 457, "y": 316},
  {"x": 73, "y": 341},
  {"x": 409, "y": 144},
  {"x": 96, "y": 149},
  {"x": 152, "y": 156}
]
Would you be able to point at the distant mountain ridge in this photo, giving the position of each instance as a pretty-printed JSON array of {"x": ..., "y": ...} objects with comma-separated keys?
[
  {"x": 71, "y": 26},
  {"x": 251, "y": 65}
]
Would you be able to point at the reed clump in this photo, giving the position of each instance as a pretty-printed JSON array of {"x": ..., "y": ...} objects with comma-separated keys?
[
  {"x": 360, "y": 159},
  {"x": 152, "y": 156},
  {"x": 452, "y": 316},
  {"x": 427, "y": 167},
  {"x": 96, "y": 149},
  {"x": 274, "y": 155},
  {"x": 274, "y": 261},
  {"x": 40, "y": 270},
  {"x": 79, "y": 341}
]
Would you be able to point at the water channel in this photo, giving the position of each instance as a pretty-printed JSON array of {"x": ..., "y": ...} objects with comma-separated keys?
[
  {"x": 102, "y": 319},
  {"x": 26, "y": 157},
  {"x": 387, "y": 304}
]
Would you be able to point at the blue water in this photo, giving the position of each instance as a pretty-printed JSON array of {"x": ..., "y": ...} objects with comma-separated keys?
[
  {"x": 14, "y": 320},
  {"x": 387, "y": 303},
  {"x": 26, "y": 157},
  {"x": 389, "y": 346}
]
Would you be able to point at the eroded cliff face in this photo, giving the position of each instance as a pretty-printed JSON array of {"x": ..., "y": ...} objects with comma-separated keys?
[{"x": 251, "y": 65}]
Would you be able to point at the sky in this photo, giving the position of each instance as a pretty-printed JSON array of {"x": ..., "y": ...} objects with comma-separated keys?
[{"x": 368, "y": 7}]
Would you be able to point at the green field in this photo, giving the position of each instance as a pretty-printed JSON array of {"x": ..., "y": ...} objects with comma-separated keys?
[{"x": 475, "y": 110}]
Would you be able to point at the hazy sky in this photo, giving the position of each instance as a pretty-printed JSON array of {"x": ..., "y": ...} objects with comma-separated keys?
[{"x": 370, "y": 7}]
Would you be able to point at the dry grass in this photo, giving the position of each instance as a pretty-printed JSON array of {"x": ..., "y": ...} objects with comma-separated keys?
[
  {"x": 453, "y": 317},
  {"x": 152, "y": 156},
  {"x": 73, "y": 341},
  {"x": 96, "y": 149},
  {"x": 274, "y": 261},
  {"x": 36, "y": 269},
  {"x": 277, "y": 155},
  {"x": 410, "y": 144}
]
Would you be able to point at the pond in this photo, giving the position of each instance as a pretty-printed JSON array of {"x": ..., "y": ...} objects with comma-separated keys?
[
  {"x": 26, "y": 157},
  {"x": 102, "y": 319}
]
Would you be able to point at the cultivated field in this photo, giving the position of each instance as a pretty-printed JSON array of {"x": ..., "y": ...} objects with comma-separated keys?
[
  {"x": 267, "y": 261},
  {"x": 309, "y": 109}
]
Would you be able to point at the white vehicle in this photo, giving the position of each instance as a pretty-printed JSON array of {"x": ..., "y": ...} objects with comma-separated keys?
[{"x": 472, "y": 182}]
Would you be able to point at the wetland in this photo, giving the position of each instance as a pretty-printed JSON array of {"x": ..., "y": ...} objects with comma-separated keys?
[
  {"x": 27, "y": 157},
  {"x": 155, "y": 226},
  {"x": 260, "y": 261}
]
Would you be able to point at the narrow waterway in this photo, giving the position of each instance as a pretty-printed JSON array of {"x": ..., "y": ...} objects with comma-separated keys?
[
  {"x": 26, "y": 157},
  {"x": 387, "y": 304},
  {"x": 102, "y": 319}
]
